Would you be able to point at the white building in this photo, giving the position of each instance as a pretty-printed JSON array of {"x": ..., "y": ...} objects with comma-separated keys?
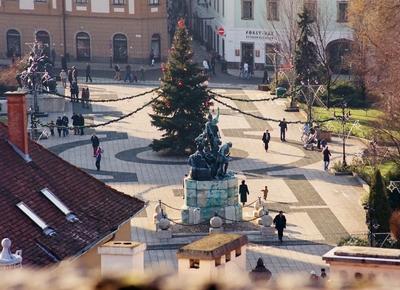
[{"x": 251, "y": 30}]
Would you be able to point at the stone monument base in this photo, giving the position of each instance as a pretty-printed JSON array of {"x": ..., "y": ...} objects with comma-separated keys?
[{"x": 204, "y": 199}]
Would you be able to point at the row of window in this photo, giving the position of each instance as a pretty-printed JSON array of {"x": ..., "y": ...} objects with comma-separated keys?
[
  {"x": 83, "y": 45},
  {"x": 273, "y": 9},
  {"x": 114, "y": 2}
]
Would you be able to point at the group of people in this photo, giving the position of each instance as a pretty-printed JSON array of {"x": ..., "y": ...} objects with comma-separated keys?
[
  {"x": 209, "y": 64},
  {"x": 62, "y": 125},
  {"x": 246, "y": 69},
  {"x": 72, "y": 77},
  {"x": 312, "y": 137},
  {"x": 130, "y": 74}
]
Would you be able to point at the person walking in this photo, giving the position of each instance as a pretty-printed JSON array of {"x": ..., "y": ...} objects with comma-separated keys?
[
  {"x": 63, "y": 78},
  {"x": 283, "y": 126},
  {"x": 266, "y": 138},
  {"x": 88, "y": 73},
  {"x": 265, "y": 76},
  {"x": 51, "y": 127},
  {"x": 65, "y": 124},
  {"x": 206, "y": 67},
  {"x": 75, "y": 123},
  {"x": 59, "y": 124},
  {"x": 280, "y": 224},
  {"x": 246, "y": 74},
  {"x": 213, "y": 62},
  {"x": 74, "y": 74},
  {"x": 95, "y": 143},
  {"x": 327, "y": 157},
  {"x": 117, "y": 73},
  {"x": 128, "y": 73},
  {"x": 81, "y": 124},
  {"x": 98, "y": 154},
  {"x": 244, "y": 192},
  {"x": 70, "y": 78}
]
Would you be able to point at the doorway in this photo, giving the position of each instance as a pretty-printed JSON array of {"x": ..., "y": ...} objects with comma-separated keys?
[{"x": 248, "y": 54}]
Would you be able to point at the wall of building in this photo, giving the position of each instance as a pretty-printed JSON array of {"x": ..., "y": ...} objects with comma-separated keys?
[
  {"x": 260, "y": 31},
  {"x": 137, "y": 20}
]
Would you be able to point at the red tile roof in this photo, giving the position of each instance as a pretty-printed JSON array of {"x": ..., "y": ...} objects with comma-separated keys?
[{"x": 100, "y": 208}]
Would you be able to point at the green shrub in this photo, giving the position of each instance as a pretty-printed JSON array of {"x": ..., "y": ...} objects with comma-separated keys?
[
  {"x": 338, "y": 167},
  {"x": 282, "y": 82},
  {"x": 348, "y": 92},
  {"x": 354, "y": 241}
]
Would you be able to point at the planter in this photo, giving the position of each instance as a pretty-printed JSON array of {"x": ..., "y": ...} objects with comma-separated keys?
[
  {"x": 292, "y": 107},
  {"x": 326, "y": 135},
  {"x": 263, "y": 87},
  {"x": 341, "y": 173}
]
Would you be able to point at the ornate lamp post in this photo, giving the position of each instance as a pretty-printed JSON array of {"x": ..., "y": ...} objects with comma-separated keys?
[{"x": 343, "y": 118}]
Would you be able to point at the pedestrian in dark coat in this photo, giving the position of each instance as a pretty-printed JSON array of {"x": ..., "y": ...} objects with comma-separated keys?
[
  {"x": 70, "y": 77},
  {"x": 74, "y": 74},
  {"x": 283, "y": 126},
  {"x": 95, "y": 143},
  {"x": 81, "y": 124},
  {"x": 88, "y": 73},
  {"x": 327, "y": 157},
  {"x": 244, "y": 192},
  {"x": 59, "y": 124},
  {"x": 75, "y": 123},
  {"x": 280, "y": 224},
  {"x": 266, "y": 138},
  {"x": 65, "y": 125}
]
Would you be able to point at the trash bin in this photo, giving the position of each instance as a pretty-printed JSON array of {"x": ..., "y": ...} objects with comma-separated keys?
[{"x": 280, "y": 91}]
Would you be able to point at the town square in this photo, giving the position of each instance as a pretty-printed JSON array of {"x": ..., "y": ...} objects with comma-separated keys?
[{"x": 214, "y": 149}]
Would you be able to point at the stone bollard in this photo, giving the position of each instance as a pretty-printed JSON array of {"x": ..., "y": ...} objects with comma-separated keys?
[
  {"x": 216, "y": 225},
  {"x": 258, "y": 208},
  {"x": 266, "y": 225},
  {"x": 164, "y": 230}
]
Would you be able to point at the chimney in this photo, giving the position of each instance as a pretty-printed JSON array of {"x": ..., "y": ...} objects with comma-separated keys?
[{"x": 17, "y": 123}]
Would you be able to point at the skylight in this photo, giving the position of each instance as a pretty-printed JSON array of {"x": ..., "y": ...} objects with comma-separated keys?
[
  {"x": 71, "y": 217},
  {"x": 36, "y": 219}
]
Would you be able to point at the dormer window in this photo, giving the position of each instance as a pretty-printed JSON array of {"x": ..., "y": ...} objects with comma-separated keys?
[{"x": 71, "y": 217}]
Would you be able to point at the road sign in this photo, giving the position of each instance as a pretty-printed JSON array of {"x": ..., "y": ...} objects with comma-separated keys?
[{"x": 221, "y": 31}]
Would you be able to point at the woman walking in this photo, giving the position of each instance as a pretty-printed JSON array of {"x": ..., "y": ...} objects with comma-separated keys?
[
  {"x": 99, "y": 152},
  {"x": 244, "y": 192}
]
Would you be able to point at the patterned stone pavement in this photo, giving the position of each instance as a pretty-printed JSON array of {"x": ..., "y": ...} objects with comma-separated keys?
[{"x": 320, "y": 208}]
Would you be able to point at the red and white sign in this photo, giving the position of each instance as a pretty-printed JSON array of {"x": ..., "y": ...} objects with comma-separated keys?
[{"x": 221, "y": 31}]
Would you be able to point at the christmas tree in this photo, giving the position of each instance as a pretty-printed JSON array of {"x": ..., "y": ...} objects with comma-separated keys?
[
  {"x": 306, "y": 60},
  {"x": 181, "y": 110}
]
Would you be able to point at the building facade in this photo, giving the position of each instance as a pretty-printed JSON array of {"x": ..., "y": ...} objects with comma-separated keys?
[
  {"x": 86, "y": 30},
  {"x": 254, "y": 30}
]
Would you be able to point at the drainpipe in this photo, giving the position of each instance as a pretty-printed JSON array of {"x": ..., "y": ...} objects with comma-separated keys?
[{"x": 64, "y": 28}]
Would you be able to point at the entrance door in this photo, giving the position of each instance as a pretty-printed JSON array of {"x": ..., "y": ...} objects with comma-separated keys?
[
  {"x": 156, "y": 47},
  {"x": 120, "y": 48},
  {"x": 248, "y": 54}
]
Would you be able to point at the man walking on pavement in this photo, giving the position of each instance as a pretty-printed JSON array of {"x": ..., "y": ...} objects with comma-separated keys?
[
  {"x": 88, "y": 73},
  {"x": 283, "y": 126},
  {"x": 95, "y": 143},
  {"x": 65, "y": 123},
  {"x": 244, "y": 192},
  {"x": 327, "y": 157},
  {"x": 266, "y": 138},
  {"x": 280, "y": 224},
  {"x": 74, "y": 74}
]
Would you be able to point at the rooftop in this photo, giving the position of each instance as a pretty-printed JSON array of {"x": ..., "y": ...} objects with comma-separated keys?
[
  {"x": 212, "y": 246},
  {"x": 99, "y": 209}
]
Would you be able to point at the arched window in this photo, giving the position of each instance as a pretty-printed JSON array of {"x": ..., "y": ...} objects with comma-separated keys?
[
  {"x": 13, "y": 43},
  {"x": 82, "y": 46},
  {"x": 120, "y": 48},
  {"x": 43, "y": 38},
  {"x": 338, "y": 55},
  {"x": 156, "y": 46}
]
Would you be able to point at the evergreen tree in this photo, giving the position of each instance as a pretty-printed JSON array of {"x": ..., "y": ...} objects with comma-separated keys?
[
  {"x": 379, "y": 209},
  {"x": 181, "y": 110},
  {"x": 306, "y": 59}
]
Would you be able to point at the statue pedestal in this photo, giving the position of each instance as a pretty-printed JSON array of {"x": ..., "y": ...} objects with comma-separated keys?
[{"x": 205, "y": 198}]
